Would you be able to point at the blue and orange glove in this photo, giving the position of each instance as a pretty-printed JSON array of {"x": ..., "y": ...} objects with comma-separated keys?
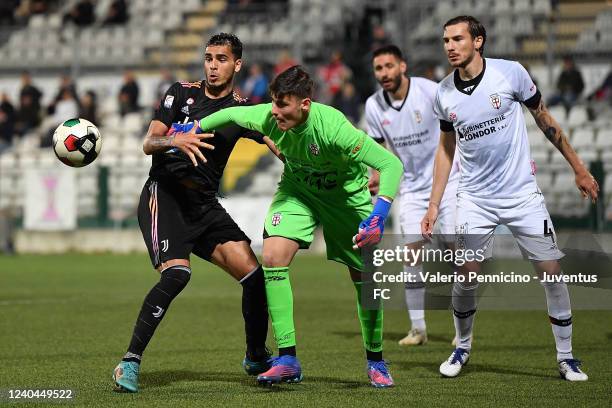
[{"x": 371, "y": 229}]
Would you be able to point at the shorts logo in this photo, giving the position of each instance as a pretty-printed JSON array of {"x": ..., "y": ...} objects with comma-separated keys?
[
  {"x": 417, "y": 116},
  {"x": 549, "y": 232},
  {"x": 452, "y": 117},
  {"x": 159, "y": 312},
  {"x": 314, "y": 149},
  {"x": 168, "y": 101},
  {"x": 185, "y": 110},
  {"x": 165, "y": 245},
  {"x": 189, "y": 101},
  {"x": 495, "y": 100},
  {"x": 276, "y": 219},
  {"x": 460, "y": 231}
]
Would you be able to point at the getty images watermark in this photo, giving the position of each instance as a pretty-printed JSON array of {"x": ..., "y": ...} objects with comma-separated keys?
[
  {"x": 459, "y": 257},
  {"x": 505, "y": 273}
]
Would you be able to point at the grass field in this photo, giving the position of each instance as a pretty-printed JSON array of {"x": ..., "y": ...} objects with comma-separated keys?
[{"x": 65, "y": 321}]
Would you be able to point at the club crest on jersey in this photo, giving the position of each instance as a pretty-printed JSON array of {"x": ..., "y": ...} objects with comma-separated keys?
[
  {"x": 276, "y": 219},
  {"x": 386, "y": 122},
  {"x": 314, "y": 149},
  {"x": 417, "y": 116},
  {"x": 495, "y": 100},
  {"x": 189, "y": 101},
  {"x": 168, "y": 101},
  {"x": 452, "y": 117}
]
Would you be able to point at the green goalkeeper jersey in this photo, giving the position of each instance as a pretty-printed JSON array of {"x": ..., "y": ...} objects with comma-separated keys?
[{"x": 325, "y": 154}]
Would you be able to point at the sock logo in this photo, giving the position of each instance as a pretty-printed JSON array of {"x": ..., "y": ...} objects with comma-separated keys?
[
  {"x": 159, "y": 312},
  {"x": 165, "y": 245}
]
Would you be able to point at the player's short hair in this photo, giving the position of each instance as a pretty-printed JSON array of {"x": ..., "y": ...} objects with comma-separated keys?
[
  {"x": 388, "y": 49},
  {"x": 292, "y": 81},
  {"x": 227, "y": 39},
  {"x": 475, "y": 28}
]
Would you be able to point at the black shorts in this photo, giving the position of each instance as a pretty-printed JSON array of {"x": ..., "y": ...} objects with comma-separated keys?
[{"x": 176, "y": 222}]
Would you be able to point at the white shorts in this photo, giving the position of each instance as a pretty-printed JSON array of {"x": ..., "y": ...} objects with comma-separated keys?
[
  {"x": 412, "y": 211},
  {"x": 526, "y": 217}
]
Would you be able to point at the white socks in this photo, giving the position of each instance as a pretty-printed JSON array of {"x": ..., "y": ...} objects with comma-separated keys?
[
  {"x": 464, "y": 307},
  {"x": 560, "y": 315},
  {"x": 415, "y": 297}
]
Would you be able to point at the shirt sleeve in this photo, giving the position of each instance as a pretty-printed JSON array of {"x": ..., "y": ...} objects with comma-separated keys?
[
  {"x": 360, "y": 147},
  {"x": 256, "y": 118},
  {"x": 522, "y": 84},
  {"x": 169, "y": 106},
  {"x": 374, "y": 126}
]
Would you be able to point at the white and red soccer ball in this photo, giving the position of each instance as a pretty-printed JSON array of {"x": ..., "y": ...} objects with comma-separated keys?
[{"x": 77, "y": 142}]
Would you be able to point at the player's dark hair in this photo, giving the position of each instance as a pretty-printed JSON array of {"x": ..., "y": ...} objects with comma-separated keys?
[
  {"x": 475, "y": 28},
  {"x": 227, "y": 39},
  {"x": 292, "y": 81},
  {"x": 388, "y": 49}
]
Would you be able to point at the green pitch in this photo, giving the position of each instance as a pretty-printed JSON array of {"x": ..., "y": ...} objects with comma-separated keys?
[{"x": 65, "y": 321}]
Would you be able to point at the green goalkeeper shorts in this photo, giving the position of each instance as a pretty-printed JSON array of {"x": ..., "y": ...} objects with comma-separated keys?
[{"x": 295, "y": 214}]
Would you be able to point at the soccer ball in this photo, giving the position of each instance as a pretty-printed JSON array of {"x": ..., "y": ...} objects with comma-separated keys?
[{"x": 77, "y": 142}]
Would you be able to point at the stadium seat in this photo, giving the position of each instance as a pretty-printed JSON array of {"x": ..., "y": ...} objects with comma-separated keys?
[
  {"x": 540, "y": 156},
  {"x": 564, "y": 182},
  {"x": 604, "y": 139},
  {"x": 577, "y": 116},
  {"x": 582, "y": 138},
  {"x": 544, "y": 180}
]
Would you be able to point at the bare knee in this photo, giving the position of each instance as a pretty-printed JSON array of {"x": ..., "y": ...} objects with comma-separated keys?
[
  {"x": 173, "y": 262},
  {"x": 278, "y": 252}
]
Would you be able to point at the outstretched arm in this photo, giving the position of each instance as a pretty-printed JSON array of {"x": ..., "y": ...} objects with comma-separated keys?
[{"x": 584, "y": 180}]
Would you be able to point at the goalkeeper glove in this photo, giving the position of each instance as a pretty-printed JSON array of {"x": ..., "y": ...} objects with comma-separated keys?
[
  {"x": 185, "y": 127},
  {"x": 371, "y": 229}
]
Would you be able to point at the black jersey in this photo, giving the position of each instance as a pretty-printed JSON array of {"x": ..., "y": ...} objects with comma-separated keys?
[{"x": 187, "y": 100}]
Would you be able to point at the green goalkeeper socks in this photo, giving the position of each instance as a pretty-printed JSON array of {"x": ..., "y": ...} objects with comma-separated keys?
[
  {"x": 280, "y": 305},
  {"x": 371, "y": 323}
]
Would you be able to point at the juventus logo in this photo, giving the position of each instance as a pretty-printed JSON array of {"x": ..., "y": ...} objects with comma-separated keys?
[
  {"x": 165, "y": 245},
  {"x": 159, "y": 312}
]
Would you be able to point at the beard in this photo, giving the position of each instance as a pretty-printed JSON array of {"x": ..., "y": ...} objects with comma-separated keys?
[
  {"x": 397, "y": 81},
  {"x": 466, "y": 62},
  {"x": 218, "y": 87}
]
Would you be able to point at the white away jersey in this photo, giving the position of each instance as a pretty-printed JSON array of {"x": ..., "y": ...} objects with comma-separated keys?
[
  {"x": 491, "y": 136},
  {"x": 412, "y": 132}
]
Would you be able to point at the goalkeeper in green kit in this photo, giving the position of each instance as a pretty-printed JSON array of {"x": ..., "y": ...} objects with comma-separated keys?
[{"x": 325, "y": 183}]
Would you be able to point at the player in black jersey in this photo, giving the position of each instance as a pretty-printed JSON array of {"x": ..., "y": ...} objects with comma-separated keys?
[{"x": 179, "y": 213}]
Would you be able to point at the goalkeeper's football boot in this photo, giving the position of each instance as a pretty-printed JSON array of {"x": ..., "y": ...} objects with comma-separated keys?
[
  {"x": 452, "y": 367},
  {"x": 414, "y": 338},
  {"x": 285, "y": 369},
  {"x": 569, "y": 370},
  {"x": 257, "y": 363},
  {"x": 125, "y": 376},
  {"x": 379, "y": 374}
]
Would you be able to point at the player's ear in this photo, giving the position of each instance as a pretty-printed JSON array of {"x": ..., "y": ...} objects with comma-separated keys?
[
  {"x": 478, "y": 42},
  {"x": 237, "y": 65},
  {"x": 305, "y": 104},
  {"x": 403, "y": 67}
]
